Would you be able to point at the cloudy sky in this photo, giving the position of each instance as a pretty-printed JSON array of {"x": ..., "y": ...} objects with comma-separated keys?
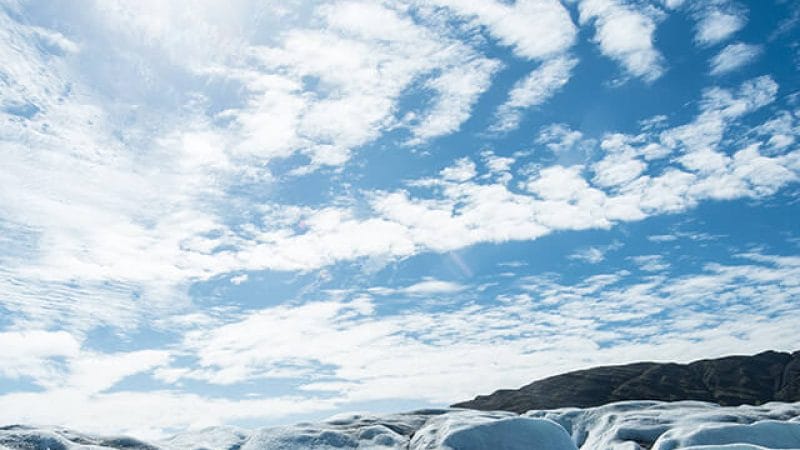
[{"x": 260, "y": 212}]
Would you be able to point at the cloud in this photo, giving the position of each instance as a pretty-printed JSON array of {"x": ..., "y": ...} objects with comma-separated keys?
[
  {"x": 182, "y": 240},
  {"x": 715, "y": 25},
  {"x": 343, "y": 352},
  {"x": 617, "y": 170},
  {"x": 362, "y": 70},
  {"x": 780, "y": 131},
  {"x": 733, "y": 57},
  {"x": 93, "y": 372},
  {"x": 673, "y": 4},
  {"x": 30, "y": 353},
  {"x": 539, "y": 30},
  {"x": 87, "y": 218},
  {"x": 151, "y": 152},
  {"x": 533, "y": 90},
  {"x": 239, "y": 279},
  {"x": 559, "y": 137},
  {"x": 694, "y": 236},
  {"x": 463, "y": 208},
  {"x": 456, "y": 91},
  {"x": 595, "y": 254},
  {"x": 535, "y": 29},
  {"x": 651, "y": 263},
  {"x": 624, "y": 34},
  {"x": 591, "y": 255},
  {"x": 370, "y": 356},
  {"x": 140, "y": 183},
  {"x": 427, "y": 287},
  {"x": 463, "y": 170},
  {"x": 56, "y": 360}
]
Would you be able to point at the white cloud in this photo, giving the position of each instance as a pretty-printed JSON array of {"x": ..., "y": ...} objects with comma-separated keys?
[
  {"x": 457, "y": 89},
  {"x": 733, "y": 57},
  {"x": 533, "y": 90},
  {"x": 122, "y": 186},
  {"x": 121, "y": 178},
  {"x": 595, "y": 254},
  {"x": 372, "y": 355},
  {"x": 715, "y": 25},
  {"x": 239, "y": 279},
  {"x": 55, "y": 360},
  {"x": 624, "y": 34},
  {"x": 535, "y": 29},
  {"x": 343, "y": 352},
  {"x": 559, "y": 137},
  {"x": 497, "y": 164},
  {"x": 718, "y": 108},
  {"x": 694, "y": 236},
  {"x": 463, "y": 207},
  {"x": 673, "y": 4},
  {"x": 591, "y": 255},
  {"x": 781, "y": 130},
  {"x": 427, "y": 287},
  {"x": 463, "y": 170},
  {"x": 362, "y": 71},
  {"x": 29, "y": 353},
  {"x": 558, "y": 183},
  {"x": 662, "y": 238},
  {"x": 93, "y": 214},
  {"x": 617, "y": 169},
  {"x": 92, "y": 372},
  {"x": 90, "y": 215},
  {"x": 651, "y": 263}
]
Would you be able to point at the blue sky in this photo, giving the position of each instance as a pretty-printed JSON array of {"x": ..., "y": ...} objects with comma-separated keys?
[{"x": 254, "y": 213}]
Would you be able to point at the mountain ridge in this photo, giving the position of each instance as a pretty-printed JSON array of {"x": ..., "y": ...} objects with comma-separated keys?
[{"x": 729, "y": 381}]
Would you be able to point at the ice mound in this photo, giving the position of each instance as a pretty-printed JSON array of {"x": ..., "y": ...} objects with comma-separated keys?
[
  {"x": 630, "y": 425},
  {"x": 214, "y": 438},
  {"x": 470, "y": 430},
  {"x": 344, "y": 431},
  {"x": 762, "y": 434},
  {"x": 31, "y": 438},
  {"x": 635, "y": 425}
]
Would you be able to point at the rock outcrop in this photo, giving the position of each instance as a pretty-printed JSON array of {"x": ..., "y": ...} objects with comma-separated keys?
[{"x": 729, "y": 381}]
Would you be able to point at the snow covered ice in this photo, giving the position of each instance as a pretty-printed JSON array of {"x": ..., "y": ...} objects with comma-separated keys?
[{"x": 633, "y": 425}]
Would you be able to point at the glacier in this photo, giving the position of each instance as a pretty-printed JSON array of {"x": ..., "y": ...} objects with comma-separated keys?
[{"x": 628, "y": 425}]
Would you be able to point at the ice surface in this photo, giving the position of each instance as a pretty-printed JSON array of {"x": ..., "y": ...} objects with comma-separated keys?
[
  {"x": 222, "y": 438},
  {"x": 633, "y": 425},
  {"x": 765, "y": 433},
  {"x": 471, "y": 430}
]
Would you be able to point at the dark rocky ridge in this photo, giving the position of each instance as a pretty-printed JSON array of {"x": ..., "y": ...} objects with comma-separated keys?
[{"x": 728, "y": 381}]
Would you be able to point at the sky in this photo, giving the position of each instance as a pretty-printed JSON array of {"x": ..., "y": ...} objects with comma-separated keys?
[{"x": 252, "y": 213}]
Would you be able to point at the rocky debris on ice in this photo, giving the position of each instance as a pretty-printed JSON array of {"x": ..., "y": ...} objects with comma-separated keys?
[{"x": 630, "y": 425}]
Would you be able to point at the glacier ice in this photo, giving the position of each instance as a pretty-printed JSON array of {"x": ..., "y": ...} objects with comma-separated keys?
[
  {"x": 630, "y": 425},
  {"x": 633, "y": 425},
  {"x": 471, "y": 430}
]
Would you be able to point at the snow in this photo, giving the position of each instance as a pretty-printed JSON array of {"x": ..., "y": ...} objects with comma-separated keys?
[{"x": 634, "y": 425}]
